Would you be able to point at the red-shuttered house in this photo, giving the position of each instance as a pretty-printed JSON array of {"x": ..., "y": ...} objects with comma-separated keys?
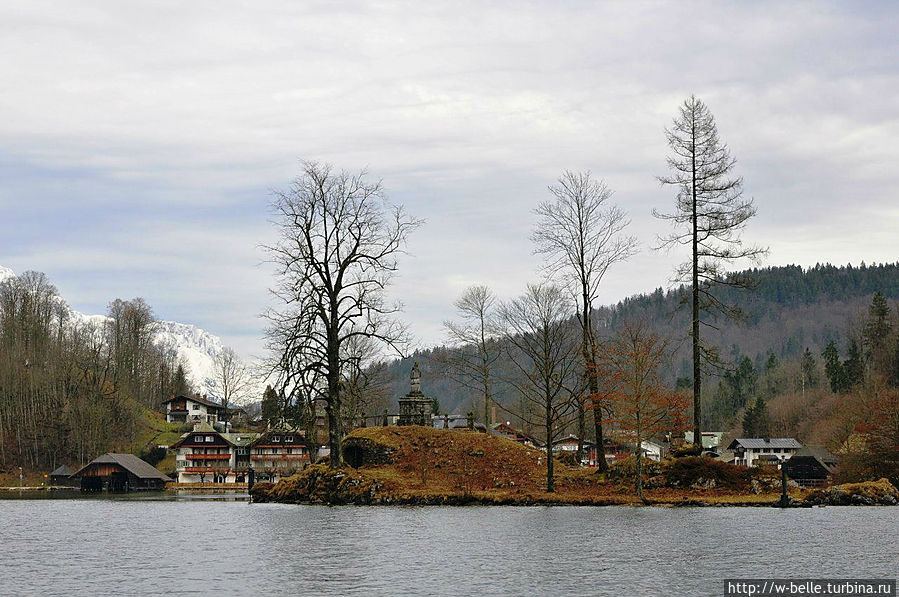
[{"x": 279, "y": 452}]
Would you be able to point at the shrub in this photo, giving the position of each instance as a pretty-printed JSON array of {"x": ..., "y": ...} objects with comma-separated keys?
[{"x": 706, "y": 472}]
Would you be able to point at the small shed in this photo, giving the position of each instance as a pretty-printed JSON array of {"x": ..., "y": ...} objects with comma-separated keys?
[
  {"x": 120, "y": 472},
  {"x": 62, "y": 477},
  {"x": 812, "y": 465}
]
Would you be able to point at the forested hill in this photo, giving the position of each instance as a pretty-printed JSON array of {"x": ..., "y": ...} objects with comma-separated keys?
[{"x": 791, "y": 309}]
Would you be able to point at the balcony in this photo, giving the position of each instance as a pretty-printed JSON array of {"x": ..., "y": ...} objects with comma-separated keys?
[
  {"x": 204, "y": 469},
  {"x": 279, "y": 457},
  {"x": 208, "y": 456}
]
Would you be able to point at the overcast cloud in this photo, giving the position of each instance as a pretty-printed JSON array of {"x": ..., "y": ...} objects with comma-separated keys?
[{"x": 139, "y": 142}]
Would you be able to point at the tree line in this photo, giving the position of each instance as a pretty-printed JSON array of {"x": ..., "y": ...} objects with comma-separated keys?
[{"x": 73, "y": 388}]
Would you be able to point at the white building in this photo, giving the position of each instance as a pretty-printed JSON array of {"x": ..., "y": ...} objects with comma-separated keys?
[
  {"x": 192, "y": 409},
  {"x": 755, "y": 451}
]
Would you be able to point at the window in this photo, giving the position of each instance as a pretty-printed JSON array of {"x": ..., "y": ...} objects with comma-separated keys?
[
  {"x": 290, "y": 450},
  {"x": 210, "y": 439},
  {"x": 198, "y": 439},
  {"x": 288, "y": 439},
  {"x": 276, "y": 439},
  {"x": 195, "y": 407}
]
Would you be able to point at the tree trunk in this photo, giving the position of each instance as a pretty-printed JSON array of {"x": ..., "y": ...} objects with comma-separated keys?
[
  {"x": 697, "y": 374},
  {"x": 550, "y": 485},
  {"x": 589, "y": 350}
]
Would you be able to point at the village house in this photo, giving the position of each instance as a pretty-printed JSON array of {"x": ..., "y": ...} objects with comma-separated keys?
[
  {"x": 759, "y": 451},
  {"x": 119, "y": 472},
  {"x": 507, "y": 431},
  {"x": 279, "y": 452},
  {"x": 205, "y": 455},
  {"x": 711, "y": 440},
  {"x": 655, "y": 449},
  {"x": 459, "y": 422},
  {"x": 811, "y": 466},
  {"x": 192, "y": 409}
]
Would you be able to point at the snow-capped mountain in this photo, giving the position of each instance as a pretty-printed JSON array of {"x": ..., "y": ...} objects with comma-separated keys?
[{"x": 195, "y": 347}]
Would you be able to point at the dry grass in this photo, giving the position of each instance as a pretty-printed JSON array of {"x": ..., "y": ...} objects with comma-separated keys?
[{"x": 432, "y": 466}]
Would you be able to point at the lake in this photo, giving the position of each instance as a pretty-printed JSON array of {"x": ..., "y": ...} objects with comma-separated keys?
[{"x": 144, "y": 544}]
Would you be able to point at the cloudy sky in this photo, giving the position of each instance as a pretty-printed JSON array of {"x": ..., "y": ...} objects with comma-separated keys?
[{"x": 140, "y": 142}]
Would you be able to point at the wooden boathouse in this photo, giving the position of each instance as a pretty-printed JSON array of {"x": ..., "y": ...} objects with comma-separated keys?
[{"x": 120, "y": 472}]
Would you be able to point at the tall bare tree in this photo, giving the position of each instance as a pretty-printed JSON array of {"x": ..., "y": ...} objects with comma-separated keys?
[
  {"x": 473, "y": 349},
  {"x": 710, "y": 213},
  {"x": 337, "y": 252},
  {"x": 543, "y": 354},
  {"x": 581, "y": 235},
  {"x": 231, "y": 378}
]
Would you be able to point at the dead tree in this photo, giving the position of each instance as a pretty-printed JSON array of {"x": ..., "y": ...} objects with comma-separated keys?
[
  {"x": 709, "y": 215},
  {"x": 581, "y": 235},
  {"x": 337, "y": 252}
]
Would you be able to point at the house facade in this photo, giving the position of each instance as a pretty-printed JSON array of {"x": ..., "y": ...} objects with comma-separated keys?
[
  {"x": 205, "y": 455},
  {"x": 757, "y": 451},
  {"x": 192, "y": 409},
  {"x": 279, "y": 452}
]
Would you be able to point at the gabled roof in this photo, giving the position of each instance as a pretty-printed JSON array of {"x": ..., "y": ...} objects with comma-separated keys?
[
  {"x": 62, "y": 471},
  {"x": 572, "y": 438},
  {"x": 197, "y": 399},
  {"x": 820, "y": 453},
  {"x": 134, "y": 465},
  {"x": 239, "y": 439},
  {"x": 757, "y": 443}
]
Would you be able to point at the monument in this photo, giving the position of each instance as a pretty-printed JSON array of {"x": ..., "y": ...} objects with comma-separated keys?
[{"x": 415, "y": 407}]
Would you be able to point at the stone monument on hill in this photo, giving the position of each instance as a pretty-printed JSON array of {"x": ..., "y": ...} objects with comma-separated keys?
[{"x": 415, "y": 407}]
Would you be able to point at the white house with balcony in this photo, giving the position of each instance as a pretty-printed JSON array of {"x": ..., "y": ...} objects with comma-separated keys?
[
  {"x": 757, "y": 451},
  {"x": 192, "y": 409}
]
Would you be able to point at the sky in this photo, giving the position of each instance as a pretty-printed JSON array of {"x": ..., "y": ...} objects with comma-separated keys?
[{"x": 140, "y": 143}]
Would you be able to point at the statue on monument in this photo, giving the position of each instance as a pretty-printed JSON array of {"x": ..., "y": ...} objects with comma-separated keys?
[{"x": 416, "y": 380}]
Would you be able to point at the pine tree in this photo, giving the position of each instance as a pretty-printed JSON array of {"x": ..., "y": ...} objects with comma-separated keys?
[
  {"x": 854, "y": 367},
  {"x": 271, "y": 410},
  {"x": 809, "y": 370},
  {"x": 833, "y": 367}
]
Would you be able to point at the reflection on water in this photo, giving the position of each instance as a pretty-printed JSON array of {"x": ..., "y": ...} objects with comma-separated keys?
[{"x": 195, "y": 544}]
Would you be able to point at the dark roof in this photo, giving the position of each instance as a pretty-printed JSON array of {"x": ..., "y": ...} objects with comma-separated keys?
[
  {"x": 820, "y": 453},
  {"x": 130, "y": 462},
  {"x": 197, "y": 399},
  {"x": 62, "y": 471},
  {"x": 756, "y": 443}
]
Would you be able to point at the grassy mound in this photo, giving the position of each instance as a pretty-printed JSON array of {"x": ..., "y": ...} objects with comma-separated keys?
[{"x": 869, "y": 493}]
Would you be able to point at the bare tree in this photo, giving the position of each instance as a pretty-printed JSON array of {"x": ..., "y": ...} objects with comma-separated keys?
[
  {"x": 544, "y": 358},
  {"x": 231, "y": 378},
  {"x": 473, "y": 350},
  {"x": 709, "y": 215},
  {"x": 581, "y": 235},
  {"x": 337, "y": 252},
  {"x": 365, "y": 383}
]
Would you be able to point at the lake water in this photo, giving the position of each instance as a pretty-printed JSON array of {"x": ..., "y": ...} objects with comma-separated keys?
[{"x": 154, "y": 545}]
